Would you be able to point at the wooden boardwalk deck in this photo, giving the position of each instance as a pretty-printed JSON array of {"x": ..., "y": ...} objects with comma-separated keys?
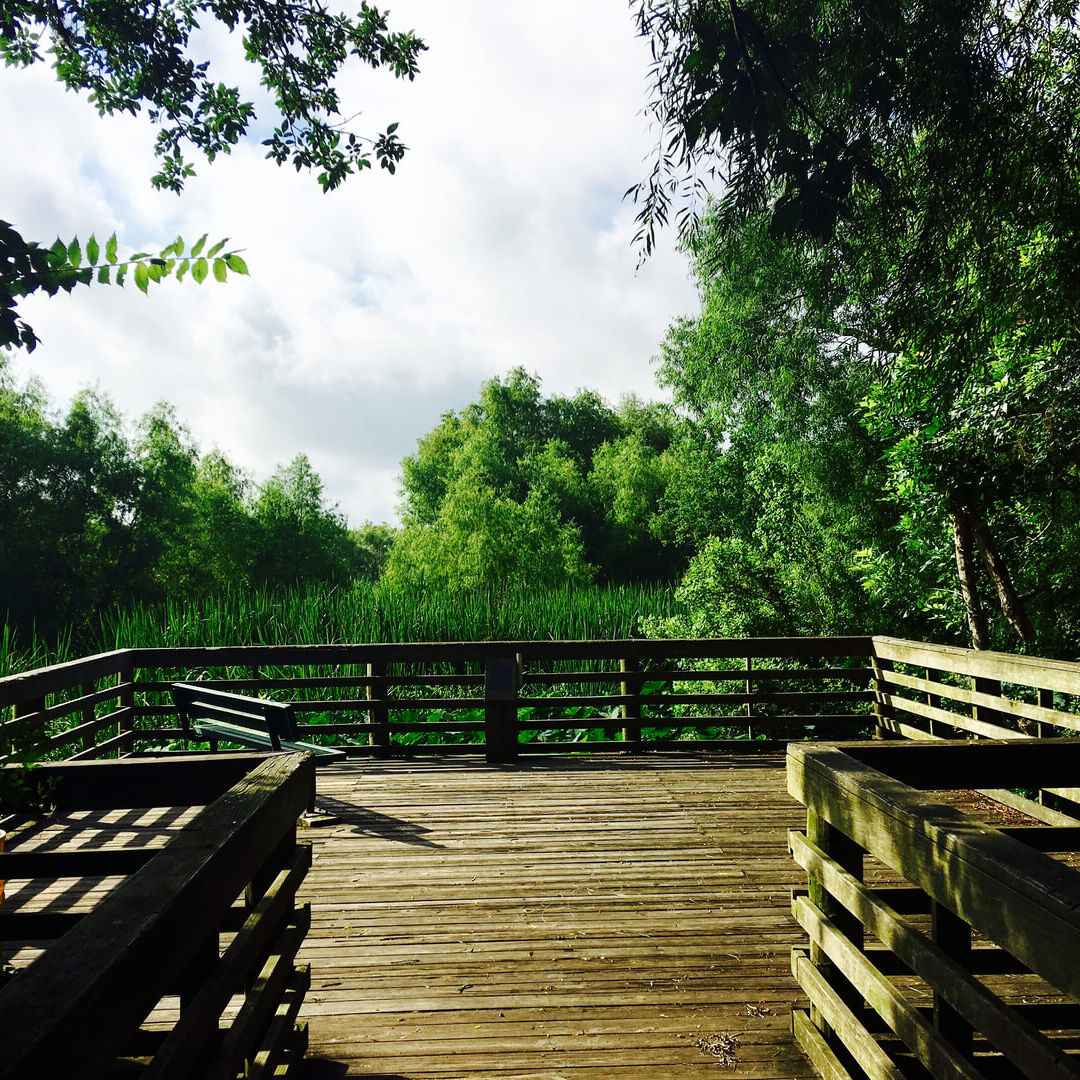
[{"x": 558, "y": 919}]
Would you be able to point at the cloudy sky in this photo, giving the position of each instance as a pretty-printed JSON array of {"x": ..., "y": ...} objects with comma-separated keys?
[{"x": 503, "y": 240}]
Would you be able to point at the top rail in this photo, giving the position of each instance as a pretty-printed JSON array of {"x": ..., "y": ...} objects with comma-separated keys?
[{"x": 1059, "y": 675}]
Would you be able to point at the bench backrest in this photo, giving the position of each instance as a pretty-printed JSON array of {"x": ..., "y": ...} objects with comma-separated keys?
[{"x": 276, "y": 719}]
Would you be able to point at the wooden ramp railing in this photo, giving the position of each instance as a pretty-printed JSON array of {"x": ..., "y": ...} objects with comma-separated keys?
[{"x": 969, "y": 967}]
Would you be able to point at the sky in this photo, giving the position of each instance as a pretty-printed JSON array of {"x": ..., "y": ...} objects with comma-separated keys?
[{"x": 502, "y": 240}]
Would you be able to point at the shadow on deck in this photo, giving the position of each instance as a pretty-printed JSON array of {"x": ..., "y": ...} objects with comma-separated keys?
[{"x": 556, "y": 918}]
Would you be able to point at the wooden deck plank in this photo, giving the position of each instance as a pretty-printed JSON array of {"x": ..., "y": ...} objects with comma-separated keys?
[{"x": 562, "y": 918}]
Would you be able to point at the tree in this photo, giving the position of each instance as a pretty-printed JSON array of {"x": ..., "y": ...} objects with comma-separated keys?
[
  {"x": 138, "y": 54},
  {"x": 301, "y": 539},
  {"x": 915, "y": 166},
  {"x": 522, "y": 487},
  {"x": 775, "y": 481}
]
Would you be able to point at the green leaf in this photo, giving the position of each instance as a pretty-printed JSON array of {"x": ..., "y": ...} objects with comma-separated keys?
[
  {"x": 93, "y": 250},
  {"x": 103, "y": 275},
  {"x": 216, "y": 248},
  {"x": 142, "y": 276},
  {"x": 236, "y": 264},
  {"x": 121, "y": 273},
  {"x": 199, "y": 245},
  {"x": 182, "y": 269},
  {"x": 221, "y": 271},
  {"x": 110, "y": 248},
  {"x": 199, "y": 270},
  {"x": 59, "y": 253},
  {"x": 74, "y": 253}
]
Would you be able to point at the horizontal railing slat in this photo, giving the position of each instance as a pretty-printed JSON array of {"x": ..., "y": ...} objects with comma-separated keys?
[
  {"x": 30, "y": 685},
  {"x": 1059, "y": 675},
  {"x": 1021, "y": 709}
]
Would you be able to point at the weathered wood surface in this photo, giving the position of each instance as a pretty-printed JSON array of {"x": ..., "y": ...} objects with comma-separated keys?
[
  {"x": 557, "y": 918},
  {"x": 989, "y": 887},
  {"x": 77, "y": 1006}
]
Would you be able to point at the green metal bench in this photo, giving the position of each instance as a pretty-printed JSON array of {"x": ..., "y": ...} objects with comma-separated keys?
[{"x": 246, "y": 721}]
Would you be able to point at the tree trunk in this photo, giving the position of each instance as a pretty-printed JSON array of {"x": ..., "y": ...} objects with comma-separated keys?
[
  {"x": 1011, "y": 604},
  {"x": 965, "y": 569}
]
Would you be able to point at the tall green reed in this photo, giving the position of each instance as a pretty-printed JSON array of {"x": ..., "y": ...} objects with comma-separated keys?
[{"x": 374, "y": 612}]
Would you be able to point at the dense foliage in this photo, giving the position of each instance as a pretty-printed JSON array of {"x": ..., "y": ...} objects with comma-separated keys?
[
  {"x": 92, "y": 515},
  {"x": 905, "y": 177},
  {"x": 522, "y": 489}
]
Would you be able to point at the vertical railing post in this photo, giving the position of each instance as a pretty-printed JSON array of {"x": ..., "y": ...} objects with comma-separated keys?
[
  {"x": 883, "y": 711},
  {"x": 502, "y": 677},
  {"x": 379, "y": 713},
  {"x": 1044, "y": 730},
  {"x": 630, "y": 687},
  {"x": 749, "y": 705},
  {"x": 934, "y": 700},
  {"x": 88, "y": 713},
  {"x": 22, "y": 709},
  {"x": 952, "y": 935},
  {"x": 125, "y": 679},
  {"x": 982, "y": 712}
]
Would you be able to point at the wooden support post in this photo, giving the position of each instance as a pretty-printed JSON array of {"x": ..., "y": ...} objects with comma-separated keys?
[
  {"x": 631, "y": 710},
  {"x": 378, "y": 715},
  {"x": 953, "y": 936},
  {"x": 750, "y": 704},
  {"x": 199, "y": 970},
  {"x": 24, "y": 708},
  {"x": 502, "y": 677},
  {"x": 848, "y": 855},
  {"x": 883, "y": 712},
  {"x": 934, "y": 700},
  {"x": 981, "y": 712},
  {"x": 1044, "y": 730},
  {"x": 88, "y": 713},
  {"x": 125, "y": 677}
]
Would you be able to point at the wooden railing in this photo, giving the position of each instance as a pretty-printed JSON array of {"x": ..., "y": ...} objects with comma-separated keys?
[
  {"x": 933, "y": 692},
  {"x": 494, "y": 697},
  {"x": 950, "y": 967},
  {"x": 208, "y": 916}
]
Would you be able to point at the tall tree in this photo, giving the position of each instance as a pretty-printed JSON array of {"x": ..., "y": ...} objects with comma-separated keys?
[
  {"x": 522, "y": 487},
  {"x": 916, "y": 163}
]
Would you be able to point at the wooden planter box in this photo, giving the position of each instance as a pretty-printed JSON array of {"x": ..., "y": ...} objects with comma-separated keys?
[{"x": 201, "y": 935}]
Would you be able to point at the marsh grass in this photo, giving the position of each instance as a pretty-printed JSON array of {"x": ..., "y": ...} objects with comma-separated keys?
[{"x": 365, "y": 612}]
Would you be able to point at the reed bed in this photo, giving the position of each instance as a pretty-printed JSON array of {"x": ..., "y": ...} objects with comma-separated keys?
[{"x": 364, "y": 612}]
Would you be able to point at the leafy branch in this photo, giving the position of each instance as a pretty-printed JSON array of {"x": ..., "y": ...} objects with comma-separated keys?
[{"x": 27, "y": 267}]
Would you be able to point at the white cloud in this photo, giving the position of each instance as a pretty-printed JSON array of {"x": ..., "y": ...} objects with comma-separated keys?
[{"x": 502, "y": 240}]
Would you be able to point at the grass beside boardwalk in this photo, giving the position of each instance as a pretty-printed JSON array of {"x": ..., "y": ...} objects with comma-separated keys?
[{"x": 361, "y": 613}]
